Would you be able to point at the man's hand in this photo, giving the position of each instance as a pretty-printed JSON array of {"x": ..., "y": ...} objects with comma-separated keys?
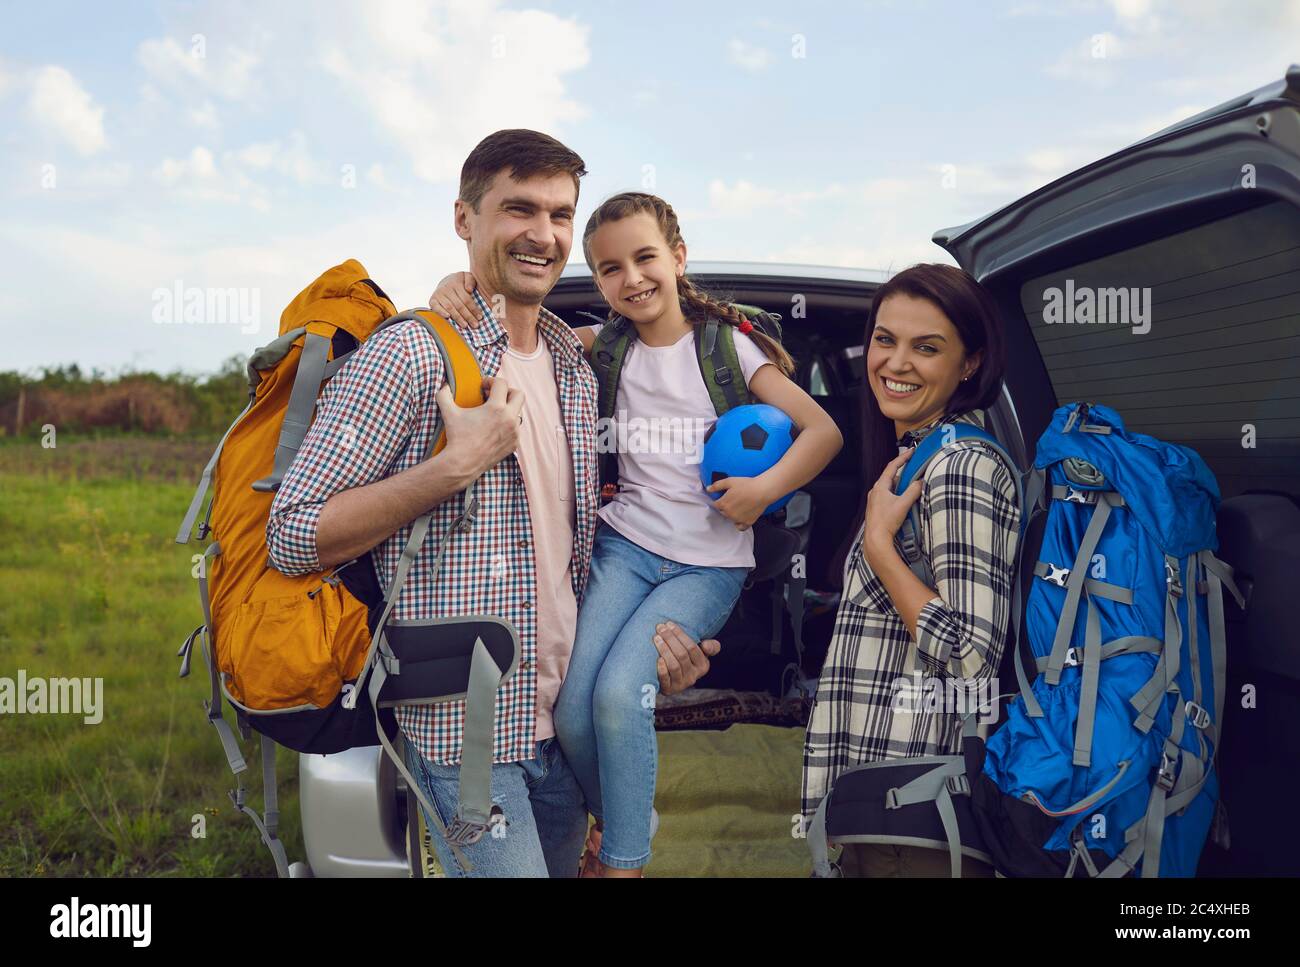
[
  {"x": 480, "y": 437},
  {"x": 682, "y": 662}
]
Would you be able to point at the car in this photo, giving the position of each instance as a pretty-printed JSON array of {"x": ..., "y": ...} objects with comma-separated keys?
[{"x": 1204, "y": 218}]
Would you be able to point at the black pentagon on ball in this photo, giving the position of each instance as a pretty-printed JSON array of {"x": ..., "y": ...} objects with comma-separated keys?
[
  {"x": 753, "y": 437},
  {"x": 717, "y": 475}
]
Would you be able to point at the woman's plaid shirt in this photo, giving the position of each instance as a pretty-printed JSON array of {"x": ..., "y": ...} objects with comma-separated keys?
[
  {"x": 864, "y": 711},
  {"x": 374, "y": 420}
]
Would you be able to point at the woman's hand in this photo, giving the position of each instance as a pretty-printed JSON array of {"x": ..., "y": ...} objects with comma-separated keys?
[
  {"x": 454, "y": 300},
  {"x": 743, "y": 500},
  {"x": 886, "y": 510}
]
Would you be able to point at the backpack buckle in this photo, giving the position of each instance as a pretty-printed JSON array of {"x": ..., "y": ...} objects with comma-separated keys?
[
  {"x": 958, "y": 785},
  {"x": 1172, "y": 584},
  {"x": 1197, "y": 714},
  {"x": 1072, "y": 659},
  {"x": 1167, "y": 776},
  {"x": 1080, "y": 496},
  {"x": 1057, "y": 575},
  {"x": 891, "y": 798},
  {"x": 463, "y": 833},
  {"x": 907, "y": 541},
  {"x": 722, "y": 375}
]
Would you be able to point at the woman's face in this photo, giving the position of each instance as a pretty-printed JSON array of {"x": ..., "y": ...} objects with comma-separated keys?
[
  {"x": 633, "y": 267},
  {"x": 915, "y": 360}
]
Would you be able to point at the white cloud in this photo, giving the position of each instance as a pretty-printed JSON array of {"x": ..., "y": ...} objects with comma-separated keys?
[
  {"x": 1136, "y": 15},
  {"x": 745, "y": 197},
  {"x": 235, "y": 177},
  {"x": 222, "y": 69},
  {"x": 63, "y": 106},
  {"x": 290, "y": 158},
  {"x": 747, "y": 56},
  {"x": 438, "y": 89},
  {"x": 198, "y": 177},
  {"x": 375, "y": 175}
]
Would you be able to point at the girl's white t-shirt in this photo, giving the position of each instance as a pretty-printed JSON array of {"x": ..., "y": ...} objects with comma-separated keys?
[{"x": 662, "y": 413}]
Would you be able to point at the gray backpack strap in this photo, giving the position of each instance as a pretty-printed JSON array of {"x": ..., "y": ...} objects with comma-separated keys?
[
  {"x": 1143, "y": 840},
  {"x": 205, "y": 480},
  {"x": 302, "y": 403},
  {"x": 818, "y": 843},
  {"x": 1074, "y": 579},
  {"x": 715, "y": 347},
  {"x": 474, "y": 809},
  {"x": 937, "y": 786},
  {"x": 268, "y": 825},
  {"x": 1151, "y": 696},
  {"x": 377, "y": 679}
]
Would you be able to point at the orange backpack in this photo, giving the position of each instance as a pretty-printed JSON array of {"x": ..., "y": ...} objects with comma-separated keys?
[{"x": 304, "y": 660}]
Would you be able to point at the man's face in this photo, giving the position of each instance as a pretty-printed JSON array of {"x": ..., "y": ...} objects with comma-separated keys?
[{"x": 519, "y": 238}]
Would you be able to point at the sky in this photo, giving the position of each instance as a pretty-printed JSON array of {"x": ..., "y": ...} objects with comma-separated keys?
[{"x": 155, "y": 148}]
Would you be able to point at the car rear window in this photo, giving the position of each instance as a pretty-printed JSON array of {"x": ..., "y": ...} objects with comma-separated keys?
[{"x": 1216, "y": 367}]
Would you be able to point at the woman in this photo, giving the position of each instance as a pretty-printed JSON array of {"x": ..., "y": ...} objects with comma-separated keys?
[{"x": 933, "y": 354}]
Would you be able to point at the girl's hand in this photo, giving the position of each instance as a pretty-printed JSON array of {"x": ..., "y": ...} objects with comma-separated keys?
[
  {"x": 886, "y": 510},
  {"x": 454, "y": 300},
  {"x": 743, "y": 500}
]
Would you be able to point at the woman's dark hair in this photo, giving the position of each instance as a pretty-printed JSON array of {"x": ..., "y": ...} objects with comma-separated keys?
[{"x": 974, "y": 315}]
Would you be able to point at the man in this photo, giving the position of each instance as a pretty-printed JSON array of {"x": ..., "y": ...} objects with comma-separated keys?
[{"x": 359, "y": 481}]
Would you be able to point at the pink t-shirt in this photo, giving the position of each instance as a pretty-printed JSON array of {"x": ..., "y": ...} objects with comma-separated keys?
[
  {"x": 547, "y": 467},
  {"x": 662, "y": 413}
]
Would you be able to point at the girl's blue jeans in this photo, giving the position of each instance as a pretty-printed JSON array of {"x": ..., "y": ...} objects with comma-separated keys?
[{"x": 605, "y": 714}]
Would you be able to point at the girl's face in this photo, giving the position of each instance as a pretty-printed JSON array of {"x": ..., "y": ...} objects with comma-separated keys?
[
  {"x": 634, "y": 268},
  {"x": 915, "y": 360}
]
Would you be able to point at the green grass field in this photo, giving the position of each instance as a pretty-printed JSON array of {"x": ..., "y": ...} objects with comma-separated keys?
[{"x": 95, "y": 587}]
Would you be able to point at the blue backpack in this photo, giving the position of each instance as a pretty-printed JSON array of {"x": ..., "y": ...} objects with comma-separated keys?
[{"x": 1106, "y": 763}]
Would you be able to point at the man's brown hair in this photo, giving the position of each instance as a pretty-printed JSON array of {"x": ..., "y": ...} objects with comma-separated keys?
[{"x": 526, "y": 153}]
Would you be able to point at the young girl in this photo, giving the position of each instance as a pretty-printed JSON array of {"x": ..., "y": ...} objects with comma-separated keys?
[{"x": 664, "y": 549}]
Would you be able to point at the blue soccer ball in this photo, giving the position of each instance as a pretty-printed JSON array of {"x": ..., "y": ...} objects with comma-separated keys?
[{"x": 744, "y": 442}]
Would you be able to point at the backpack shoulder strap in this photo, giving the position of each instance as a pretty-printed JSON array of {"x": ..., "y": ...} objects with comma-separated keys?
[
  {"x": 930, "y": 447},
  {"x": 715, "y": 346},
  {"x": 607, "y": 355}
]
